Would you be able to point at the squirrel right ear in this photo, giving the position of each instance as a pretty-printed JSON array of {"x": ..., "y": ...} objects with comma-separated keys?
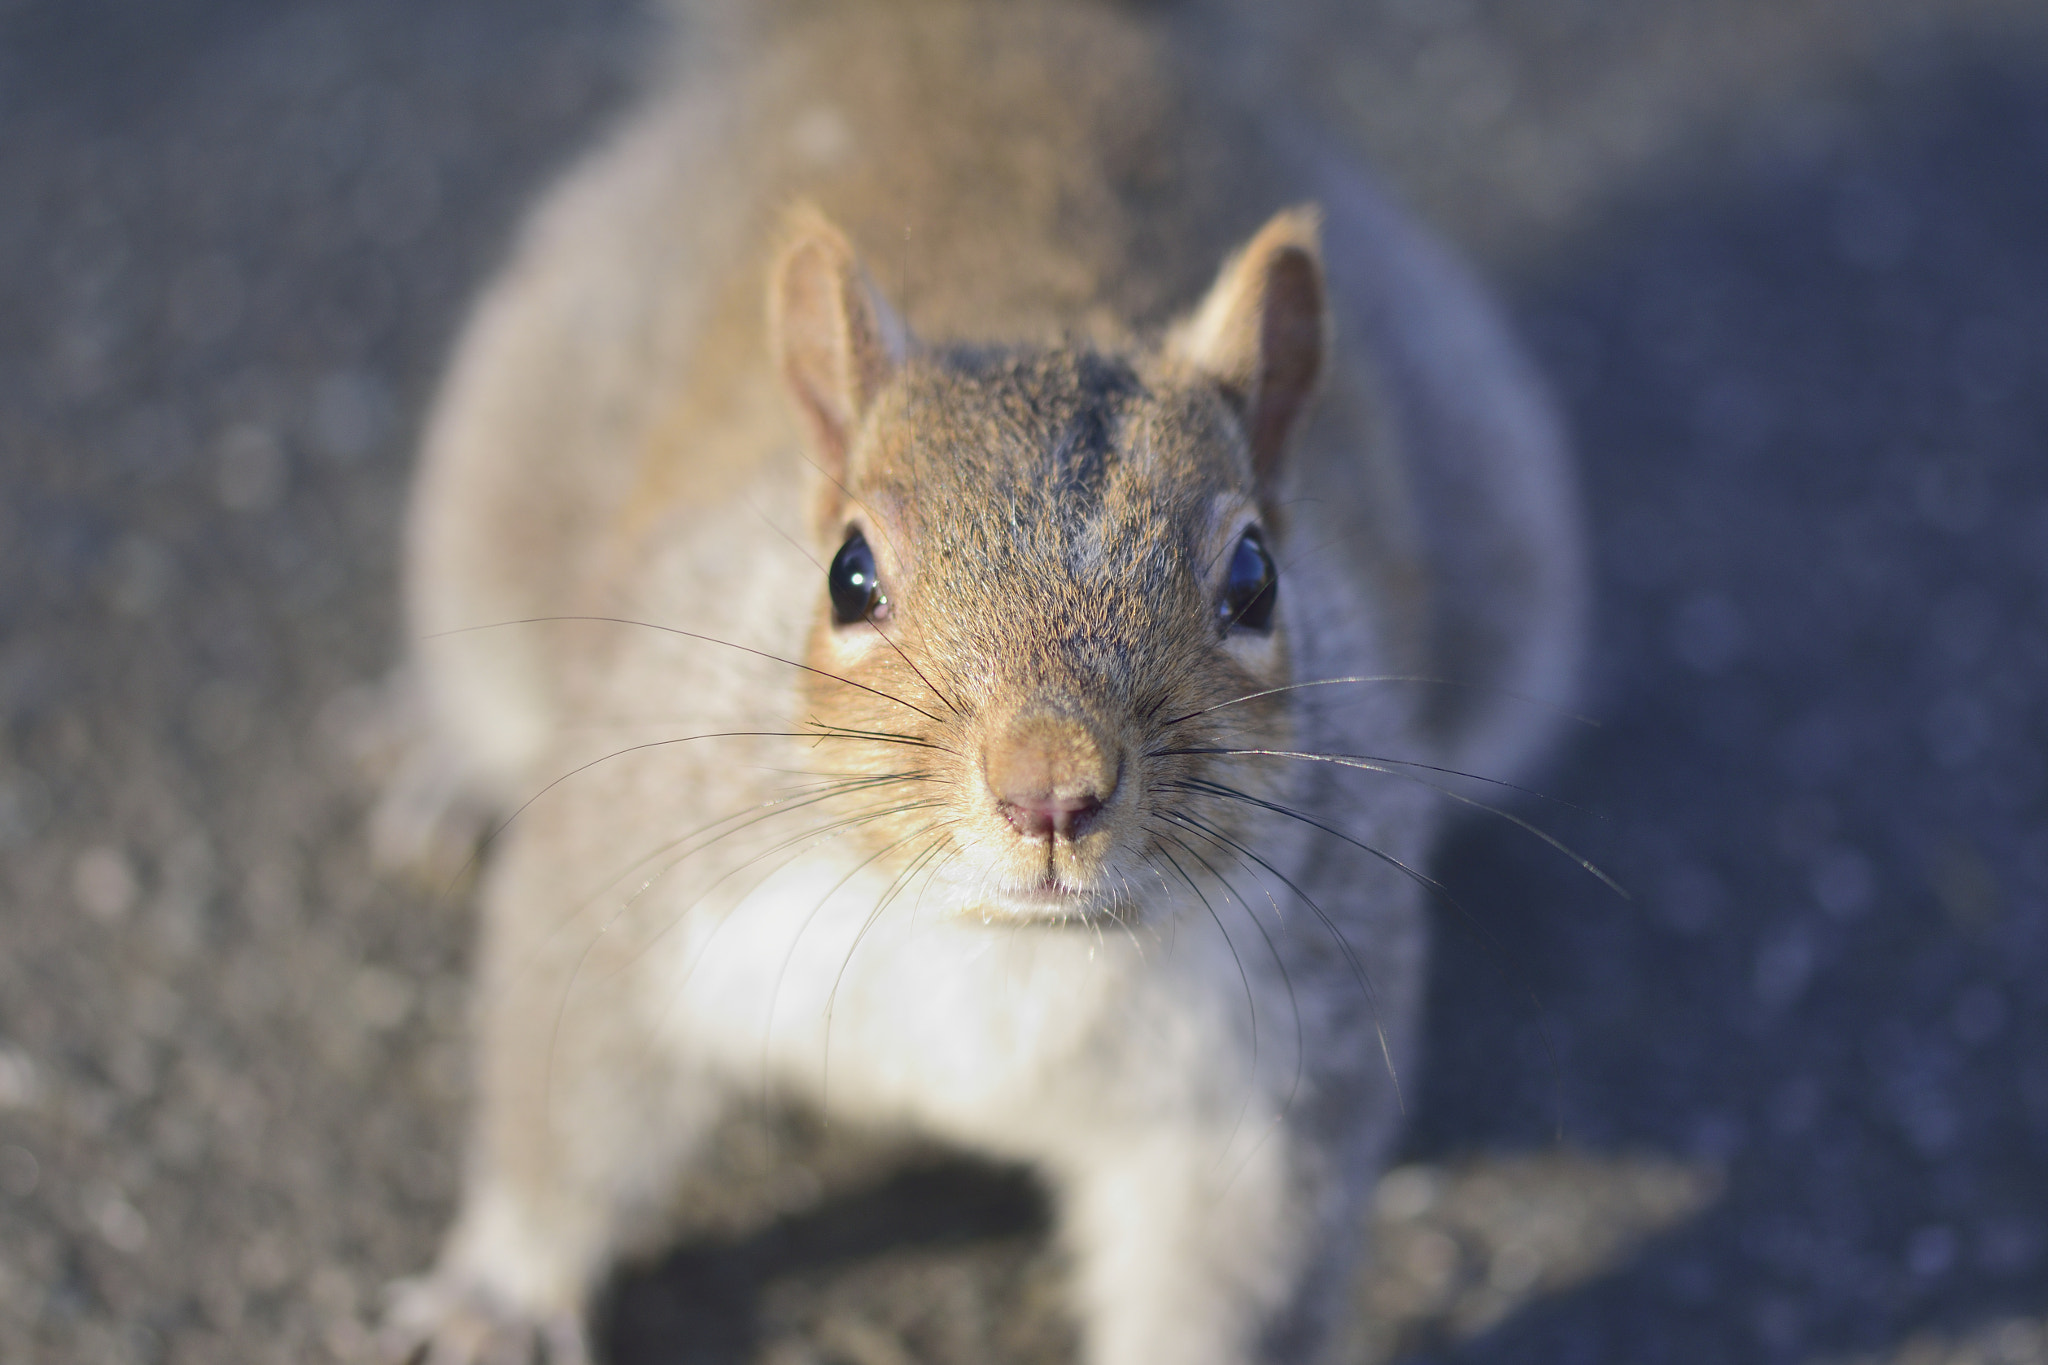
[
  {"x": 1263, "y": 331},
  {"x": 835, "y": 341}
]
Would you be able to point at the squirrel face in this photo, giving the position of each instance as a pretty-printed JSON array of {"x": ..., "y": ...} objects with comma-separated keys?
[{"x": 1051, "y": 581}]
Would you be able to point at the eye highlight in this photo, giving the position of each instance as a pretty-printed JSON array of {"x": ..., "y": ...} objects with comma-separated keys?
[
  {"x": 1251, "y": 589},
  {"x": 855, "y": 586}
]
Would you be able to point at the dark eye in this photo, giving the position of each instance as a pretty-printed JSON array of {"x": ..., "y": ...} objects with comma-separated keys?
[
  {"x": 856, "y": 587},
  {"x": 1251, "y": 589}
]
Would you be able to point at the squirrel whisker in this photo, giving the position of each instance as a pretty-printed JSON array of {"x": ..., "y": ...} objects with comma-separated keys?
[
  {"x": 1358, "y": 971},
  {"x": 1279, "y": 963},
  {"x": 938, "y": 829},
  {"x": 1393, "y": 767},
  {"x": 689, "y": 635},
  {"x": 1556, "y": 710},
  {"x": 781, "y": 806},
  {"x": 1250, "y": 1004},
  {"x": 796, "y": 940},
  {"x": 1438, "y": 892}
]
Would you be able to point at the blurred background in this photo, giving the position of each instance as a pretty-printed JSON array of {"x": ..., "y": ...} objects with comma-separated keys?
[{"x": 1786, "y": 264}]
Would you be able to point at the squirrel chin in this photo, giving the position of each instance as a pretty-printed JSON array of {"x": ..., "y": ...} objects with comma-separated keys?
[{"x": 1051, "y": 902}]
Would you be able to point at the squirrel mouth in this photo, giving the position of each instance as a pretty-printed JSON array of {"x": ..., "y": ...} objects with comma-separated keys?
[
  {"x": 1050, "y": 890},
  {"x": 1050, "y": 898}
]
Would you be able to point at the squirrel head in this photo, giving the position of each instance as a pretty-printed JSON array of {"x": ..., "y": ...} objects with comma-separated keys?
[{"x": 1052, "y": 573}]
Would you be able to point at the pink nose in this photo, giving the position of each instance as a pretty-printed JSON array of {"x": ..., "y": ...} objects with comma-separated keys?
[
  {"x": 1051, "y": 773},
  {"x": 1061, "y": 817}
]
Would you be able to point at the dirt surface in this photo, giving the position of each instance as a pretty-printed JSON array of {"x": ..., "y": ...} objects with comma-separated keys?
[{"x": 1788, "y": 266}]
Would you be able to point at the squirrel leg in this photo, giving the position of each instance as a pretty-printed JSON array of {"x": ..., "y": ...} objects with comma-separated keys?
[
  {"x": 581, "y": 1132},
  {"x": 432, "y": 811},
  {"x": 1201, "y": 1259}
]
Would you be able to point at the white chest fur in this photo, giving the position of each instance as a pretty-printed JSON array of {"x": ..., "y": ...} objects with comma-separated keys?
[{"x": 878, "y": 998}]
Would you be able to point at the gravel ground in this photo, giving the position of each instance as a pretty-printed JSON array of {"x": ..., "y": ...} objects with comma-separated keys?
[{"x": 1788, "y": 264}]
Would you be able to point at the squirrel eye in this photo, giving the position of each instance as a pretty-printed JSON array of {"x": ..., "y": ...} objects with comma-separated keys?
[
  {"x": 855, "y": 586},
  {"x": 1251, "y": 589}
]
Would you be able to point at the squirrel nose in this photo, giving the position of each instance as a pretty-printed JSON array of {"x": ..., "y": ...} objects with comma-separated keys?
[
  {"x": 1051, "y": 817},
  {"x": 1051, "y": 774}
]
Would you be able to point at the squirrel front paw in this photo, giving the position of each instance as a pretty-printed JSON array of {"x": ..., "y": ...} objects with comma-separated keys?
[
  {"x": 429, "y": 817},
  {"x": 428, "y": 825},
  {"x": 440, "y": 1320}
]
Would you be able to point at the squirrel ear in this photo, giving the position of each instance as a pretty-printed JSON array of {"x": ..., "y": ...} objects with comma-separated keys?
[
  {"x": 1262, "y": 331},
  {"x": 835, "y": 341}
]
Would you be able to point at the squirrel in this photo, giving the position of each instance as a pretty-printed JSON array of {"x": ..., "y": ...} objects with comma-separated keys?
[{"x": 1010, "y": 706}]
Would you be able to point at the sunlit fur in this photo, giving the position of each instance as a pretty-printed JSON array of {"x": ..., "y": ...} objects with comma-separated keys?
[{"x": 1032, "y": 341}]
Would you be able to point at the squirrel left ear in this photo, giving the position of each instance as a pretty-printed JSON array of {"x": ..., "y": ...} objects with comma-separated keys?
[
  {"x": 835, "y": 341},
  {"x": 1262, "y": 331}
]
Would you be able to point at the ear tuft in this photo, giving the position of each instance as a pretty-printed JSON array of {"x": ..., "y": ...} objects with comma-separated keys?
[
  {"x": 1263, "y": 330},
  {"x": 835, "y": 342}
]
